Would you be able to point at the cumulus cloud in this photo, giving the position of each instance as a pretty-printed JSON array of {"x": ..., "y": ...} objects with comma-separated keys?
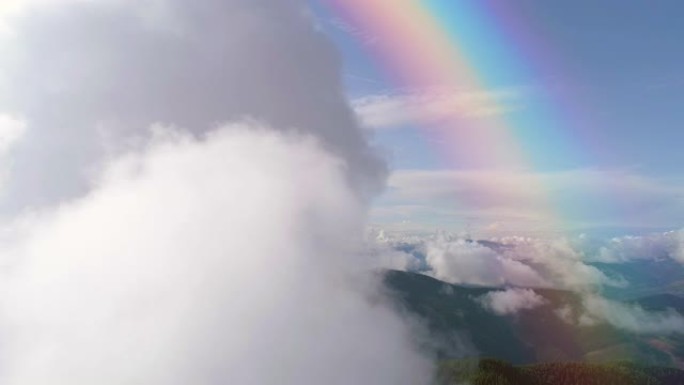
[
  {"x": 384, "y": 252},
  {"x": 383, "y": 256},
  {"x": 90, "y": 76},
  {"x": 655, "y": 246},
  {"x": 434, "y": 105},
  {"x": 509, "y": 261},
  {"x": 559, "y": 262},
  {"x": 511, "y": 301},
  {"x": 467, "y": 262},
  {"x": 631, "y": 318},
  {"x": 192, "y": 252},
  {"x": 203, "y": 262}
]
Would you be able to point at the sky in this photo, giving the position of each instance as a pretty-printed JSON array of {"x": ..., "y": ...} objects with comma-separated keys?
[{"x": 595, "y": 90}]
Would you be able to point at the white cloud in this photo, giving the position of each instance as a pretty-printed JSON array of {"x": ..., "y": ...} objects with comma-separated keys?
[
  {"x": 382, "y": 256},
  {"x": 559, "y": 262},
  {"x": 213, "y": 261},
  {"x": 565, "y": 313},
  {"x": 526, "y": 202},
  {"x": 632, "y": 318},
  {"x": 510, "y": 261},
  {"x": 433, "y": 105},
  {"x": 195, "y": 255},
  {"x": 655, "y": 246},
  {"x": 511, "y": 301},
  {"x": 11, "y": 131},
  {"x": 529, "y": 263},
  {"x": 460, "y": 262}
]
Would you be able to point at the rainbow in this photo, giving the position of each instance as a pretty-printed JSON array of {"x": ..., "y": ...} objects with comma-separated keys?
[
  {"x": 472, "y": 47},
  {"x": 478, "y": 46}
]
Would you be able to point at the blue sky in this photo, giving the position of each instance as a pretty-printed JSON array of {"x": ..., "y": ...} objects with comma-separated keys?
[{"x": 611, "y": 72}]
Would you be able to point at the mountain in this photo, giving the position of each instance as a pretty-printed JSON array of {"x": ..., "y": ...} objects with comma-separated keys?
[{"x": 458, "y": 325}]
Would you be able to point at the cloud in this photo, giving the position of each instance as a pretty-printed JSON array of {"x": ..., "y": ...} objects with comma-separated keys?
[
  {"x": 511, "y": 301},
  {"x": 509, "y": 261},
  {"x": 433, "y": 105},
  {"x": 595, "y": 309},
  {"x": 144, "y": 240},
  {"x": 89, "y": 77},
  {"x": 461, "y": 262},
  {"x": 202, "y": 261},
  {"x": 11, "y": 131},
  {"x": 559, "y": 262},
  {"x": 632, "y": 318},
  {"x": 580, "y": 199},
  {"x": 382, "y": 256},
  {"x": 655, "y": 246}
]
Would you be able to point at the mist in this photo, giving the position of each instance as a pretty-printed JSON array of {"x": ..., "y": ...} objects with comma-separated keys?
[
  {"x": 89, "y": 78},
  {"x": 214, "y": 261},
  {"x": 184, "y": 195}
]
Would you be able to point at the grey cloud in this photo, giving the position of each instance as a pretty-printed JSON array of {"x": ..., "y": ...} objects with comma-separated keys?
[
  {"x": 190, "y": 252},
  {"x": 202, "y": 262},
  {"x": 82, "y": 70}
]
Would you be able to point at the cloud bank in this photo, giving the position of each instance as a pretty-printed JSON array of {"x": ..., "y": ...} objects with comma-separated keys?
[
  {"x": 460, "y": 261},
  {"x": 146, "y": 241},
  {"x": 632, "y": 318},
  {"x": 91, "y": 76},
  {"x": 510, "y": 261},
  {"x": 655, "y": 246},
  {"x": 202, "y": 262},
  {"x": 560, "y": 263}
]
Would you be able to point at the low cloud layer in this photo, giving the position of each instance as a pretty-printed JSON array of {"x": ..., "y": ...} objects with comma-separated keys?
[
  {"x": 509, "y": 261},
  {"x": 511, "y": 301},
  {"x": 460, "y": 261},
  {"x": 629, "y": 317},
  {"x": 644, "y": 247},
  {"x": 560, "y": 263},
  {"x": 579, "y": 263}
]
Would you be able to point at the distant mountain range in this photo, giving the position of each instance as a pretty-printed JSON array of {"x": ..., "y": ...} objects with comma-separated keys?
[{"x": 459, "y": 326}]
